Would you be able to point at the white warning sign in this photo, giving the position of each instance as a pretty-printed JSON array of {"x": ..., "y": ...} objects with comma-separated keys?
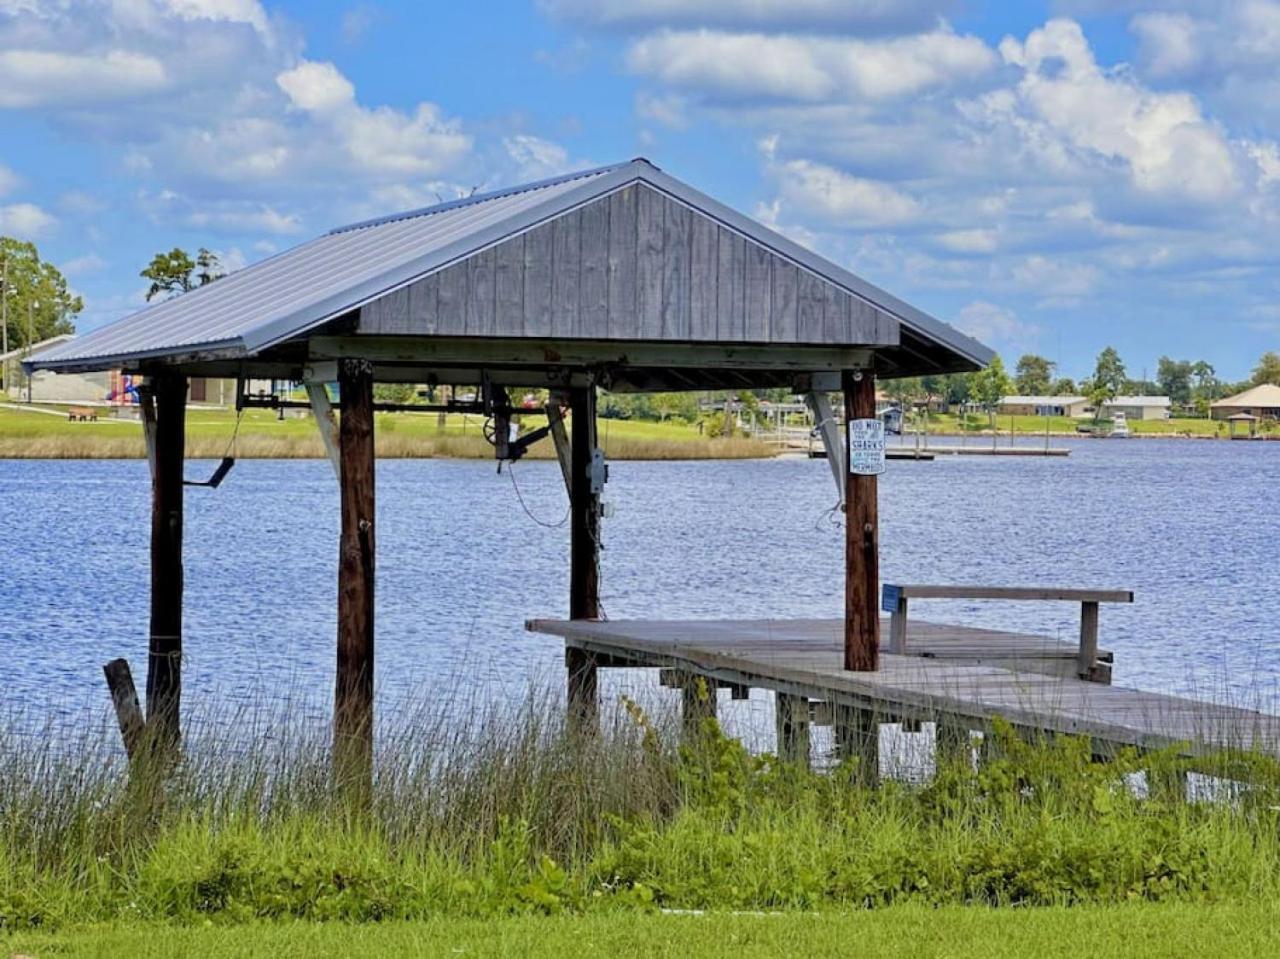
[{"x": 866, "y": 447}]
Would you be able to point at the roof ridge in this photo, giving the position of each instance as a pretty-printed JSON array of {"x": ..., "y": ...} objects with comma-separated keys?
[{"x": 483, "y": 197}]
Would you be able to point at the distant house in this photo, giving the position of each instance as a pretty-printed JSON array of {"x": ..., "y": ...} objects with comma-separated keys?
[
  {"x": 1262, "y": 402},
  {"x": 106, "y": 388},
  {"x": 1043, "y": 405},
  {"x": 1138, "y": 407},
  {"x": 49, "y": 387}
]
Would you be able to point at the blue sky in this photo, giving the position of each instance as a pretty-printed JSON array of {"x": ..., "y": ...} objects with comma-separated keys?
[{"x": 1051, "y": 177}]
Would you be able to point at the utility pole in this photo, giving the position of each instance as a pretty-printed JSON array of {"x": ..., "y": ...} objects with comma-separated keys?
[
  {"x": 31, "y": 308},
  {"x": 4, "y": 322}
]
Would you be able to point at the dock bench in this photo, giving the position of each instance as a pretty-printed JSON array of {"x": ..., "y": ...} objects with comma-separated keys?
[
  {"x": 82, "y": 414},
  {"x": 894, "y": 599}
]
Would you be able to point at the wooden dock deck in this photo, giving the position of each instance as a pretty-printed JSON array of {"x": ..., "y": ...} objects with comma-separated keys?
[{"x": 955, "y": 675}]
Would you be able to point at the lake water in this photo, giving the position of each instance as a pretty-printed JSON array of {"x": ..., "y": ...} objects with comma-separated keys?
[{"x": 1192, "y": 527}]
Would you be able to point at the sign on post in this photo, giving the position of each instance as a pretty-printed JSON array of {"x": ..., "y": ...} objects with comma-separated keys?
[{"x": 866, "y": 447}]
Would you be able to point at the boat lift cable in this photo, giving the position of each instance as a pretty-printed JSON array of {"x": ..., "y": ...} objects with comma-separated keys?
[
  {"x": 511, "y": 472},
  {"x": 228, "y": 459}
]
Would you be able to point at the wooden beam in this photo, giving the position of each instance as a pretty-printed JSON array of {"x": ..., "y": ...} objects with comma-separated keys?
[
  {"x": 353, "y": 697},
  {"x": 824, "y": 420},
  {"x": 322, "y": 409},
  {"x": 477, "y": 351},
  {"x": 164, "y": 661},
  {"x": 560, "y": 437},
  {"x": 584, "y": 585},
  {"x": 1014, "y": 593},
  {"x": 584, "y": 562},
  {"x": 862, "y": 538}
]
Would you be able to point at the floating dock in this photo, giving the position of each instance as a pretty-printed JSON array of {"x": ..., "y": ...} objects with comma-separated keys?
[{"x": 960, "y": 677}]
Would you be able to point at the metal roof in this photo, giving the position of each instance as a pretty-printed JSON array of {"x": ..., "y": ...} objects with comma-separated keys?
[
  {"x": 299, "y": 289},
  {"x": 1265, "y": 394},
  {"x": 1137, "y": 401},
  {"x": 1064, "y": 400}
]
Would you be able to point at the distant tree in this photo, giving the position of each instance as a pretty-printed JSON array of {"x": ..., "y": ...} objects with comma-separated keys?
[
  {"x": 1063, "y": 386},
  {"x": 1174, "y": 379},
  {"x": 990, "y": 386},
  {"x": 1206, "y": 387},
  {"x": 176, "y": 272},
  {"x": 1141, "y": 388},
  {"x": 1033, "y": 374},
  {"x": 1267, "y": 370},
  {"x": 903, "y": 391},
  {"x": 957, "y": 388},
  {"x": 38, "y": 303},
  {"x": 1108, "y": 377}
]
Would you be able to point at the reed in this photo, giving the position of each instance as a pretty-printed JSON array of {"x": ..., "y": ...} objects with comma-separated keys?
[
  {"x": 482, "y": 810},
  {"x": 390, "y": 445}
]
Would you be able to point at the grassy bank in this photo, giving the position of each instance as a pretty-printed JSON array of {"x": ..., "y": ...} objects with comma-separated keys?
[
  {"x": 28, "y": 434},
  {"x": 980, "y": 423},
  {"x": 509, "y": 817},
  {"x": 1133, "y": 931}
]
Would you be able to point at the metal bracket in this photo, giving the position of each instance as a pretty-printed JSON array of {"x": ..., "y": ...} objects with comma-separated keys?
[{"x": 598, "y": 471}]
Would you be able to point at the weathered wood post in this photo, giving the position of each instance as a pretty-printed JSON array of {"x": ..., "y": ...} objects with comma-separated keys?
[
  {"x": 584, "y": 563},
  {"x": 353, "y": 697},
  {"x": 862, "y": 537},
  {"x": 164, "y": 660},
  {"x": 791, "y": 720}
]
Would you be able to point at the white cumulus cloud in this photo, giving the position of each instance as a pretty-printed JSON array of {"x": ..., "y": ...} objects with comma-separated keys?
[
  {"x": 808, "y": 68},
  {"x": 869, "y": 15},
  {"x": 26, "y": 220}
]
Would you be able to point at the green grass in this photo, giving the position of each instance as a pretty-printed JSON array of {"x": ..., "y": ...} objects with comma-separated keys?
[
  {"x": 1131, "y": 931},
  {"x": 510, "y": 815},
  {"x": 948, "y": 423},
  {"x": 35, "y": 435}
]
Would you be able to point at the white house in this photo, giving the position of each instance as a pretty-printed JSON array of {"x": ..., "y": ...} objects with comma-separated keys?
[
  {"x": 1138, "y": 407},
  {"x": 1043, "y": 405}
]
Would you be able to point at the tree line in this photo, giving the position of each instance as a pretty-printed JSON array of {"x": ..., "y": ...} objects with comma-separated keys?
[{"x": 1191, "y": 385}]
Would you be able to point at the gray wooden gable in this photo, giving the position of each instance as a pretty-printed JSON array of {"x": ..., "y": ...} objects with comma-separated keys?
[{"x": 633, "y": 264}]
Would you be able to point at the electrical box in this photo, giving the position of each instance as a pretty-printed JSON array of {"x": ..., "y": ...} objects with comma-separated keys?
[{"x": 599, "y": 472}]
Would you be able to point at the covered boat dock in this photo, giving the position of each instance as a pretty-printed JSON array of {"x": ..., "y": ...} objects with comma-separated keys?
[{"x": 621, "y": 278}]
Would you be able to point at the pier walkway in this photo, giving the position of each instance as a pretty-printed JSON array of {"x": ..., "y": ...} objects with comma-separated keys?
[{"x": 954, "y": 675}]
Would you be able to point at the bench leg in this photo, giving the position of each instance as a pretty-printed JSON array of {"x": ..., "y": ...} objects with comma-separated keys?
[{"x": 1088, "y": 641}]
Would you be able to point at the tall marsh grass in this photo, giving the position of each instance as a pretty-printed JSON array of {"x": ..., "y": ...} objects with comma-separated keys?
[
  {"x": 390, "y": 445},
  {"x": 507, "y": 812}
]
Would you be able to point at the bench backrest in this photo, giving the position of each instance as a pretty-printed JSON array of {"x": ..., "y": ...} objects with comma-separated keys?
[{"x": 892, "y": 593}]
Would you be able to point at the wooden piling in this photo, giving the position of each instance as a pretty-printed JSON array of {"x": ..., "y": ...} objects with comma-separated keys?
[
  {"x": 952, "y": 743},
  {"x": 164, "y": 660},
  {"x": 353, "y": 697},
  {"x": 857, "y": 737},
  {"x": 791, "y": 717},
  {"x": 584, "y": 563},
  {"x": 862, "y": 538},
  {"x": 697, "y": 703},
  {"x": 124, "y": 696}
]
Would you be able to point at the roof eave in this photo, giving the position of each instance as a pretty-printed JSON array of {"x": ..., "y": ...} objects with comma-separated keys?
[{"x": 217, "y": 350}]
